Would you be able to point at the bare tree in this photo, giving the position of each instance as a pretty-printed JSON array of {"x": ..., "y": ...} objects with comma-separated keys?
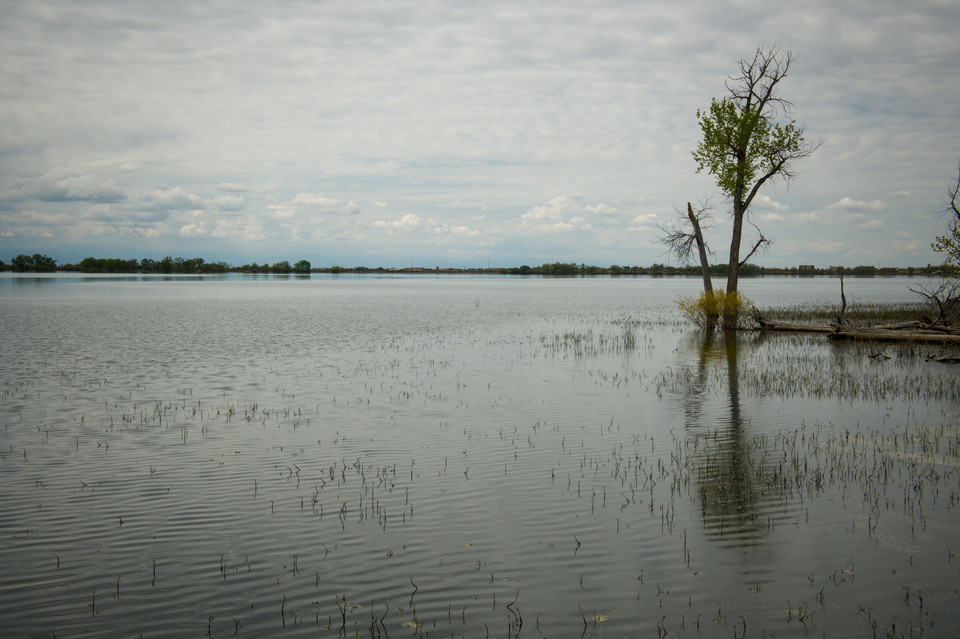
[{"x": 681, "y": 240}]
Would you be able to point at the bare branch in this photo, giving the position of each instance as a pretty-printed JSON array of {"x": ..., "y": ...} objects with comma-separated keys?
[
  {"x": 761, "y": 245},
  {"x": 945, "y": 298},
  {"x": 953, "y": 193},
  {"x": 680, "y": 239},
  {"x": 756, "y": 85},
  {"x": 680, "y": 243},
  {"x": 781, "y": 165}
]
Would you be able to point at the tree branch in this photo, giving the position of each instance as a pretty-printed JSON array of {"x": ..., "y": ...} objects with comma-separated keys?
[
  {"x": 681, "y": 241},
  {"x": 952, "y": 194},
  {"x": 945, "y": 298},
  {"x": 762, "y": 244}
]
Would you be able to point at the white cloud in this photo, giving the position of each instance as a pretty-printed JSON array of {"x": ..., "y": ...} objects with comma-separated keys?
[
  {"x": 859, "y": 206},
  {"x": 602, "y": 210},
  {"x": 456, "y": 231},
  {"x": 192, "y": 230},
  {"x": 315, "y": 200},
  {"x": 281, "y": 212},
  {"x": 563, "y": 213},
  {"x": 764, "y": 202},
  {"x": 407, "y": 221},
  {"x": 644, "y": 223},
  {"x": 552, "y": 212},
  {"x": 253, "y": 229},
  {"x": 175, "y": 198},
  {"x": 323, "y": 204}
]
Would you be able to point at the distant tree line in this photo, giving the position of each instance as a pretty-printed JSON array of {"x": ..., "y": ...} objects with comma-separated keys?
[
  {"x": 302, "y": 267},
  {"x": 34, "y": 263},
  {"x": 747, "y": 270},
  {"x": 177, "y": 265},
  {"x": 168, "y": 265}
]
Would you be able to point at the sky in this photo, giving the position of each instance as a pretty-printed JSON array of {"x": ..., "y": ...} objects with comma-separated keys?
[{"x": 460, "y": 134}]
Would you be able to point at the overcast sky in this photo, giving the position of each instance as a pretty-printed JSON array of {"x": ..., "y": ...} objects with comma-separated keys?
[{"x": 458, "y": 134}]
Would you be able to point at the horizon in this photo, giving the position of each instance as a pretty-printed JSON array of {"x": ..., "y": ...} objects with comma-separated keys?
[
  {"x": 459, "y": 135},
  {"x": 719, "y": 266}
]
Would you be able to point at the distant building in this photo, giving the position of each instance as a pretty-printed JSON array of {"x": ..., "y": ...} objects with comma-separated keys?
[{"x": 807, "y": 268}]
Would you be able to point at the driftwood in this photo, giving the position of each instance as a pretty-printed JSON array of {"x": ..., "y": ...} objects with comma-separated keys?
[
  {"x": 794, "y": 328},
  {"x": 766, "y": 325},
  {"x": 947, "y": 359},
  {"x": 881, "y": 335}
]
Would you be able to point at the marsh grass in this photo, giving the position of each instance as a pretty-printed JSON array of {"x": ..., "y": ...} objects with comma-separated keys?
[{"x": 860, "y": 314}]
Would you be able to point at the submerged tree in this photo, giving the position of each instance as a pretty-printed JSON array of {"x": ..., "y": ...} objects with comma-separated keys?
[{"x": 744, "y": 146}]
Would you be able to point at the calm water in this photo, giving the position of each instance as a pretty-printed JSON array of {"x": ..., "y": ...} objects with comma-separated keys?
[{"x": 463, "y": 457}]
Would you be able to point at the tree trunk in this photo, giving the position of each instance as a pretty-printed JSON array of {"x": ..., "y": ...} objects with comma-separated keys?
[
  {"x": 704, "y": 264},
  {"x": 733, "y": 268},
  {"x": 702, "y": 248}
]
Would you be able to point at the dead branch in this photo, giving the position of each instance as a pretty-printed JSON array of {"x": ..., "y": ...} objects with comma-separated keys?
[
  {"x": 945, "y": 298},
  {"x": 761, "y": 245},
  {"x": 843, "y": 304}
]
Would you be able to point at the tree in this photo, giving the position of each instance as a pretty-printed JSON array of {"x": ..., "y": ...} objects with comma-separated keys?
[
  {"x": 37, "y": 263},
  {"x": 949, "y": 244},
  {"x": 745, "y": 147},
  {"x": 302, "y": 267}
]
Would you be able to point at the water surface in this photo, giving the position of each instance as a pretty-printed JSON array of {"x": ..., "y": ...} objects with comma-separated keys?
[{"x": 459, "y": 456}]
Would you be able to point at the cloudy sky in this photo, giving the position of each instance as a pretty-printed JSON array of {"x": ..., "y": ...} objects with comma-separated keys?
[{"x": 397, "y": 133}]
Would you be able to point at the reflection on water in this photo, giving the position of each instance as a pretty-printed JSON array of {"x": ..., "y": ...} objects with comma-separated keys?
[{"x": 741, "y": 499}]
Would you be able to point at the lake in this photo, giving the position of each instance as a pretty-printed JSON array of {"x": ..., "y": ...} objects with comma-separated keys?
[{"x": 464, "y": 456}]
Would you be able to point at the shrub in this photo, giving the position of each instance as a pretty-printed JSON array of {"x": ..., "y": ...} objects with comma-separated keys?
[{"x": 716, "y": 304}]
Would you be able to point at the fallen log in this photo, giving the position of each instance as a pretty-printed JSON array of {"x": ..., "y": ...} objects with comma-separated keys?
[
  {"x": 881, "y": 335},
  {"x": 765, "y": 325},
  {"x": 899, "y": 326},
  {"x": 795, "y": 328}
]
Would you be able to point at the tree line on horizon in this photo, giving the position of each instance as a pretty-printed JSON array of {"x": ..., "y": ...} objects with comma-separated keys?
[{"x": 38, "y": 263}]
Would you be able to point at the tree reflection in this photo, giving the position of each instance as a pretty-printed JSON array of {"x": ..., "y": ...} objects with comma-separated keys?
[{"x": 734, "y": 488}]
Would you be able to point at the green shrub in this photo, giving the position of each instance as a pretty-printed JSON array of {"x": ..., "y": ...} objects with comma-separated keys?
[{"x": 716, "y": 305}]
